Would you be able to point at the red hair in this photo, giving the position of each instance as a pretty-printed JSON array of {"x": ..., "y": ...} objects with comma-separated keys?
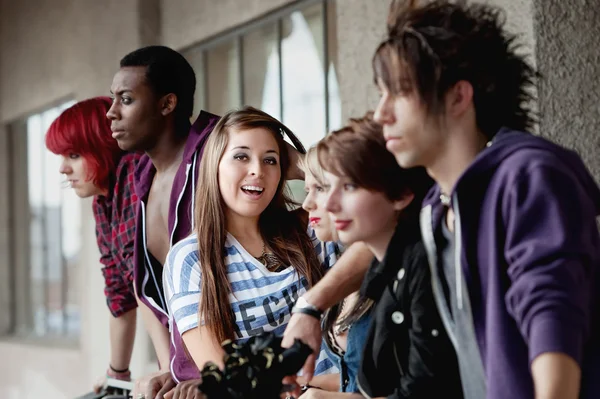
[{"x": 84, "y": 129}]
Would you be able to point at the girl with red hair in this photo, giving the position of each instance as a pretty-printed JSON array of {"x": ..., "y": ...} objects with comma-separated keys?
[{"x": 94, "y": 165}]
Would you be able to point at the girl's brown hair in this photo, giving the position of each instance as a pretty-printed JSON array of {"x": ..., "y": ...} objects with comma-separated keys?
[
  {"x": 284, "y": 231},
  {"x": 358, "y": 151}
]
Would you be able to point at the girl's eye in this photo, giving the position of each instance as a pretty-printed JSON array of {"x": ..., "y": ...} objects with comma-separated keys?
[
  {"x": 350, "y": 186},
  {"x": 271, "y": 161},
  {"x": 126, "y": 100},
  {"x": 240, "y": 157},
  {"x": 73, "y": 156},
  {"x": 319, "y": 189}
]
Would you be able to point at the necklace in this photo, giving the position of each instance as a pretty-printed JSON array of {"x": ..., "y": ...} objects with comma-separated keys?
[
  {"x": 270, "y": 261},
  {"x": 341, "y": 326}
]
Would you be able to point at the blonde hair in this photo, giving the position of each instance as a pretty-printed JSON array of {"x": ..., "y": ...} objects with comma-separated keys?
[{"x": 310, "y": 164}]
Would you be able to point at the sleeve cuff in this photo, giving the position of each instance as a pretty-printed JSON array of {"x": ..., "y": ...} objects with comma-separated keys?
[
  {"x": 119, "y": 309},
  {"x": 553, "y": 335}
]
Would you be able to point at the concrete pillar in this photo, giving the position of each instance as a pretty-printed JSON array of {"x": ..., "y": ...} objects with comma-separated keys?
[
  {"x": 568, "y": 57},
  {"x": 360, "y": 28}
]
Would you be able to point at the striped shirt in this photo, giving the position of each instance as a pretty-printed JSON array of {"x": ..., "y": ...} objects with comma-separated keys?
[{"x": 261, "y": 300}]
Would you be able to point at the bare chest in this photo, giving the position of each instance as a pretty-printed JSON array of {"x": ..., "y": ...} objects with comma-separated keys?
[{"x": 157, "y": 218}]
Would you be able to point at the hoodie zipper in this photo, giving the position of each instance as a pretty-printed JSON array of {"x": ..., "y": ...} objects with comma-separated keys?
[
  {"x": 194, "y": 179},
  {"x": 171, "y": 320},
  {"x": 149, "y": 271},
  {"x": 187, "y": 172}
]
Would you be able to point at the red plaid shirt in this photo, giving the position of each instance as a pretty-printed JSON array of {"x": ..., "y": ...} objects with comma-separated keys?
[{"x": 115, "y": 232}]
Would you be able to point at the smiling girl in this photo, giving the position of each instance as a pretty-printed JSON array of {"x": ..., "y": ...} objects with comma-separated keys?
[
  {"x": 94, "y": 166},
  {"x": 249, "y": 257}
]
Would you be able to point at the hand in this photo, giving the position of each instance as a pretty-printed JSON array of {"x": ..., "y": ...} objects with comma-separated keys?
[
  {"x": 186, "y": 390},
  {"x": 159, "y": 385},
  {"x": 308, "y": 330},
  {"x": 101, "y": 382},
  {"x": 293, "y": 389},
  {"x": 154, "y": 385}
]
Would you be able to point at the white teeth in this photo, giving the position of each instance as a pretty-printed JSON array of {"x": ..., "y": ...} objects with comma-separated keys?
[{"x": 253, "y": 188}]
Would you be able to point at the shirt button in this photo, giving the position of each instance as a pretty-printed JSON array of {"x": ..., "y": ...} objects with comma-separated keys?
[
  {"x": 401, "y": 273},
  {"x": 397, "y": 317},
  {"x": 435, "y": 332},
  {"x": 395, "y": 285}
]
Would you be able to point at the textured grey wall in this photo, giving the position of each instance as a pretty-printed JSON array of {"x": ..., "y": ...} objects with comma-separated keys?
[
  {"x": 360, "y": 27},
  {"x": 568, "y": 57},
  {"x": 60, "y": 49},
  {"x": 519, "y": 20}
]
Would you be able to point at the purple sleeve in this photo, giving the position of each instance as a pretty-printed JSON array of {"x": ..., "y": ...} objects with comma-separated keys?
[{"x": 551, "y": 247}]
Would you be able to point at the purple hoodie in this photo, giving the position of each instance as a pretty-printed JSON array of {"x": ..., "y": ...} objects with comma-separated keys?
[
  {"x": 529, "y": 250},
  {"x": 180, "y": 214}
]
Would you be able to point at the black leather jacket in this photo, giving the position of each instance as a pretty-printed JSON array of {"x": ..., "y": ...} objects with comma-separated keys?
[{"x": 407, "y": 353}]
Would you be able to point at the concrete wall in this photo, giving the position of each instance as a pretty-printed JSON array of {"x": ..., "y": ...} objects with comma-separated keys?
[
  {"x": 360, "y": 28},
  {"x": 186, "y": 22},
  {"x": 54, "y": 50},
  {"x": 569, "y": 59},
  {"x": 60, "y": 49}
]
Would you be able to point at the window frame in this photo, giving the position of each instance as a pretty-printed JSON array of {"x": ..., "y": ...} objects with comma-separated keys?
[
  {"x": 236, "y": 35},
  {"x": 18, "y": 323}
]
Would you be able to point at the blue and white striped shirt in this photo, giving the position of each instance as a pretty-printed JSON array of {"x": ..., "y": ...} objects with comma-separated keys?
[{"x": 261, "y": 300}]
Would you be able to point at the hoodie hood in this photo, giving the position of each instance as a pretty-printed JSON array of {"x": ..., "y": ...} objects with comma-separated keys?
[
  {"x": 144, "y": 173},
  {"x": 506, "y": 143}
]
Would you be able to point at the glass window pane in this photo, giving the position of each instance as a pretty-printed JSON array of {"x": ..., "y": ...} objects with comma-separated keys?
[
  {"x": 303, "y": 74},
  {"x": 55, "y": 236},
  {"x": 261, "y": 70},
  {"x": 223, "y": 78}
]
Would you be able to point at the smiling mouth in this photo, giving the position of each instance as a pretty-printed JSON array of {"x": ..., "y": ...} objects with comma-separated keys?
[
  {"x": 314, "y": 221},
  {"x": 253, "y": 191}
]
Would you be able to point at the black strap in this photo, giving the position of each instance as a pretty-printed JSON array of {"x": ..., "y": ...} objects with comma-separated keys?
[
  {"x": 314, "y": 313},
  {"x": 118, "y": 371}
]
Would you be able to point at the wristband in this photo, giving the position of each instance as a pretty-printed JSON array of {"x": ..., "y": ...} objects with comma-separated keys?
[
  {"x": 302, "y": 306},
  {"x": 119, "y": 375},
  {"x": 114, "y": 370}
]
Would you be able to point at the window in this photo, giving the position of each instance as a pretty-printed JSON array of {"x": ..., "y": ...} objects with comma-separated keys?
[
  {"x": 47, "y": 240},
  {"x": 283, "y": 64}
]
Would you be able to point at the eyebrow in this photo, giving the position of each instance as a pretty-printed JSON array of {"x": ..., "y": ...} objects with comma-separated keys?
[
  {"x": 243, "y": 147},
  {"x": 120, "y": 92}
]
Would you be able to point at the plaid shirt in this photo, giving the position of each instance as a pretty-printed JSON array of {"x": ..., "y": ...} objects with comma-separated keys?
[{"x": 115, "y": 232}]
